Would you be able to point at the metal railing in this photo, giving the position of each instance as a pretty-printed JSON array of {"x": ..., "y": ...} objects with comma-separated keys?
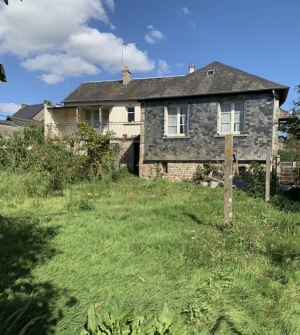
[{"x": 121, "y": 129}]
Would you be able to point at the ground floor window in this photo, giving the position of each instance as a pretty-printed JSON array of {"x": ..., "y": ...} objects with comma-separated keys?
[
  {"x": 232, "y": 117},
  {"x": 176, "y": 119}
]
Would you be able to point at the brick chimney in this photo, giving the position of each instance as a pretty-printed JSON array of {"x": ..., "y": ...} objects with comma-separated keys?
[
  {"x": 192, "y": 67},
  {"x": 126, "y": 75},
  {"x": 47, "y": 102}
]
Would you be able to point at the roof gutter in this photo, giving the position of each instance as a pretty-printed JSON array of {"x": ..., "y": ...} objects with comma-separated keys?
[{"x": 211, "y": 93}]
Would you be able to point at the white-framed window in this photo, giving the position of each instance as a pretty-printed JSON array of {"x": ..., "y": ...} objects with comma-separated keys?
[
  {"x": 232, "y": 117},
  {"x": 176, "y": 120},
  {"x": 92, "y": 117},
  {"x": 130, "y": 114}
]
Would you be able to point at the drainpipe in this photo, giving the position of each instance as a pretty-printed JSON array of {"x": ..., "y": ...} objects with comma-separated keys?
[{"x": 100, "y": 119}]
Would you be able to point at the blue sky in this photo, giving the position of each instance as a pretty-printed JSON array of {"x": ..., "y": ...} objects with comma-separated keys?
[{"x": 49, "y": 47}]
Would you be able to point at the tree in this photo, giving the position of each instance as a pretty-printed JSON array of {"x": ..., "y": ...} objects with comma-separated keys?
[{"x": 292, "y": 125}]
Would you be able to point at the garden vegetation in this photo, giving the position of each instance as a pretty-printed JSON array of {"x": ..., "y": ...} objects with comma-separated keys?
[{"x": 87, "y": 249}]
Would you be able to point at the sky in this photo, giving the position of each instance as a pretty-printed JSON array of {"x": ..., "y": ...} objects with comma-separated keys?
[{"x": 49, "y": 47}]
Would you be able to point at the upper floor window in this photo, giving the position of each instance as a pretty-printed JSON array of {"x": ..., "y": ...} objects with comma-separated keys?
[
  {"x": 232, "y": 117},
  {"x": 176, "y": 119},
  {"x": 130, "y": 114},
  {"x": 92, "y": 117}
]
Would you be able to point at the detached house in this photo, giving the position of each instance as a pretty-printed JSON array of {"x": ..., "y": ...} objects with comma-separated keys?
[{"x": 173, "y": 124}]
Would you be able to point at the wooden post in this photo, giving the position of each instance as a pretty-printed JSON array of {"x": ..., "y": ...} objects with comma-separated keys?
[
  {"x": 228, "y": 179},
  {"x": 268, "y": 174}
]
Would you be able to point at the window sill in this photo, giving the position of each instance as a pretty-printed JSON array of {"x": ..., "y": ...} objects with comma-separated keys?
[
  {"x": 235, "y": 135},
  {"x": 175, "y": 136}
]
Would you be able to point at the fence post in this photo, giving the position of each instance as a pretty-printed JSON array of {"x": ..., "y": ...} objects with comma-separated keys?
[
  {"x": 268, "y": 174},
  {"x": 228, "y": 178}
]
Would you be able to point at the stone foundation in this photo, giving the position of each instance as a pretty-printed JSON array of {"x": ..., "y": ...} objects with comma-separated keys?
[
  {"x": 171, "y": 171},
  {"x": 183, "y": 171}
]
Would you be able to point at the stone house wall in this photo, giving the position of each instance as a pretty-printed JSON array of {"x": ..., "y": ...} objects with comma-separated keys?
[{"x": 179, "y": 157}]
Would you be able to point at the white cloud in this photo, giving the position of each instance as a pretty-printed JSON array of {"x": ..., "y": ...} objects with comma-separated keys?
[
  {"x": 153, "y": 36},
  {"x": 8, "y": 108},
  {"x": 110, "y": 4},
  {"x": 163, "y": 68},
  {"x": 185, "y": 11},
  {"x": 59, "y": 66},
  {"x": 56, "y": 38}
]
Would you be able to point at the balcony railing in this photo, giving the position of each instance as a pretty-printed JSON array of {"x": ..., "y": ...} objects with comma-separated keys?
[{"x": 121, "y": 129}]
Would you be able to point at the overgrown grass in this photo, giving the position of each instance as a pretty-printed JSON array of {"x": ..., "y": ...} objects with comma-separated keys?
[{"x": 149, "y": 242}]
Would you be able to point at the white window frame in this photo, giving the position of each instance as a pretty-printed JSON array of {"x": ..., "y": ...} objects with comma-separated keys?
[
  {"x": 232, "y": 122},
  {"x": 130, "y": 112},
  {"x": 177, "y": 119}
]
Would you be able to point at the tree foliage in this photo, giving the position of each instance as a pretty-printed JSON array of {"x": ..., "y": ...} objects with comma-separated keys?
[
  {"x": 292, "y": 126},
  {"x": 95, "y": 153},
  {"x": 51, "y": 163}
]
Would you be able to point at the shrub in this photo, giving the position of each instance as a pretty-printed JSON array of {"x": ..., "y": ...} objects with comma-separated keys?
[
  {"x": 255, "y": 180},
  {"x": 96, "y": 153},
  {"x": 287, "y": 155},
  {"x": 47, "y": 165}
]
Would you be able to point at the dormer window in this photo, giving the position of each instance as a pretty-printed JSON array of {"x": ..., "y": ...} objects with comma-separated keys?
[{"x": 210, "y": 72}]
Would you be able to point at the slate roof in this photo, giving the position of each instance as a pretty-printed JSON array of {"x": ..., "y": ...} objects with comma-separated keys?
[
  {"x": 28, "y": 112},
  {"x": 25, "y": 115},
  {"x": 225, "y": 79}
]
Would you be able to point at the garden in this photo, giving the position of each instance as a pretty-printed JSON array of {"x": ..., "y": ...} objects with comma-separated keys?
[{"x": 109, "y": 253}]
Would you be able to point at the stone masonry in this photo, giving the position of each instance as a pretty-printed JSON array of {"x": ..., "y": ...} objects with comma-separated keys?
[{"x": 178, "y": 158}]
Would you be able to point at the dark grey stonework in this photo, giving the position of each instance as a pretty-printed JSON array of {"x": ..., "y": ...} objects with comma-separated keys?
[{"x": 203, "y": 142}]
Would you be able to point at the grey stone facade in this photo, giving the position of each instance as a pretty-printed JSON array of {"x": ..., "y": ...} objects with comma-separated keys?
[{"x": 203, "y": 142}]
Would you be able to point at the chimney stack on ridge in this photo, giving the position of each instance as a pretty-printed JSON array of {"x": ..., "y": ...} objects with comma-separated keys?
[{"x": 126, "y": 75}]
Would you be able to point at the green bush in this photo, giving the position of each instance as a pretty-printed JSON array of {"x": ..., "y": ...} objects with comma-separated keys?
[
  {"x": 255, "y": 180},
  {"x": 287, "y": 155},
  {"x": 46, "y": 165}
]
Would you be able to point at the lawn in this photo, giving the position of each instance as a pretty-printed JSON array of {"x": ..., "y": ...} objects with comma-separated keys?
[{"x": 146, "y": 243}]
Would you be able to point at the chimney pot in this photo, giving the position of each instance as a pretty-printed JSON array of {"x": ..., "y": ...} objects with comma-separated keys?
[{"x": 192, "y": 67}]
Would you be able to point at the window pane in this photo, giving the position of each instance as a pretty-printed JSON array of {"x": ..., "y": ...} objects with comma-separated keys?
[
  {"x": 96, "y": 122},
  {"x": 239, "y": 117},
  {"x": 225, "y": 122},
  {"x": 183, "y": 120},
  {"x": 225, "y": 108},
  {"x": 172, "y": 120},
  {"x": 130, "y": 114},
  {"x": 88, "y": 117}
]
